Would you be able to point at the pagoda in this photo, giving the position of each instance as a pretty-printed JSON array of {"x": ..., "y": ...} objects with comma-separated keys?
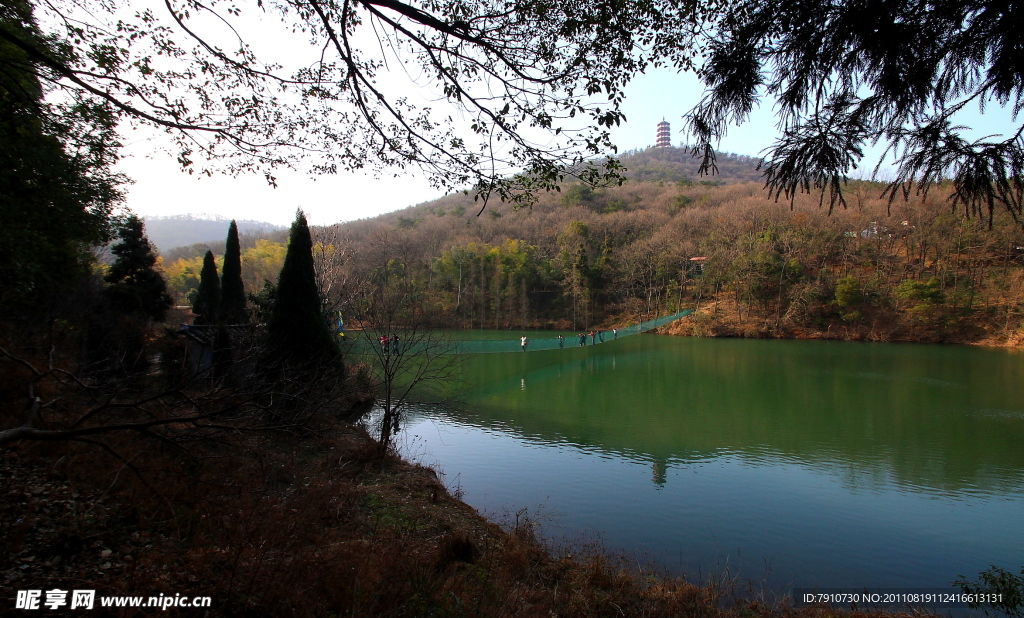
[{"x": 664, "y": 135}]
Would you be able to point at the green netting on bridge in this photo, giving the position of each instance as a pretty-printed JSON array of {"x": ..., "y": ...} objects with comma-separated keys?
[{"x": 357, "y": 345}]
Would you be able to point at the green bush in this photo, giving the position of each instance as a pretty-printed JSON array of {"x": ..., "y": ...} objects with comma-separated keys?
[
  {"x": 577, "y": 195},
  {"x": 925, "y": 298},
  {"x": 679, "y": 202},
  {"x": 1004, "y": 586},
  {"x": 921, "y": 291},
  {"x": 849, "y": 292}
]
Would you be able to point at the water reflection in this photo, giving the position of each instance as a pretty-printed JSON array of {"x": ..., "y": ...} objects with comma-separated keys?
[
  {"x": 940, "y": 419},
  {"x": 659, "y": 469},
  {"x": 795, "y": 463}
]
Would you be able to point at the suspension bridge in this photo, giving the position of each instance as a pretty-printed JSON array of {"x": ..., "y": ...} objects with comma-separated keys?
[{"x": 357, "y": 342}]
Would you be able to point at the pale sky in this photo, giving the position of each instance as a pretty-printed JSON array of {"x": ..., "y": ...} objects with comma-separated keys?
[{"x": 160, "y": 187}]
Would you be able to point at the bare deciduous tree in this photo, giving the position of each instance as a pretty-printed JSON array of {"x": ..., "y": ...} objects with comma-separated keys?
[
  {"x": 408, "y": 358},
  {"x": 523, "y": 86}
]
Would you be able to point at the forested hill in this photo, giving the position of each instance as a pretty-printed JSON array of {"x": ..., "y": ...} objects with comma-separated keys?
[
  {"x": 597, "y": 257},
  {"x": 652, "y": 165},
  {"x": 593, "y": 257},
  {"x": 182, "y": 230},
  {"x": 647, "y": 174},
  {"x": 676, "y": 164}
]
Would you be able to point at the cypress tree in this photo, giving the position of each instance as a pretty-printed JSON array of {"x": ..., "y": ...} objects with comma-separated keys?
[
  {"x": 207, "y": 300},
  {"x": 222, "y": 352},
  {"x": 136, "y": 287},
  {"x": 297, "y": 331},
  {"x": 232, "y": 302}
]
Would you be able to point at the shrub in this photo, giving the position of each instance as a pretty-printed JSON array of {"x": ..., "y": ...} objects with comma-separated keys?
[
  {"x": 849, "y": 292},
  {"x": 921, "y": 291}
]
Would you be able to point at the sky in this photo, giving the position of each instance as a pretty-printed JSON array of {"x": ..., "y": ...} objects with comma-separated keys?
[{"x": 160, "y": 188}]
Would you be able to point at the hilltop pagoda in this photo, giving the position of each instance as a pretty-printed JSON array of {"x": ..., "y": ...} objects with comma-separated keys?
[{"x": 664, "y": 135}]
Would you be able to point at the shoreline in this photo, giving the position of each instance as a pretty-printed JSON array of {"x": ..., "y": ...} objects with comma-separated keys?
[
  {"x": 311, "y": 522},
  {"x": 318, "y": 525},
  {"x": 703, "y": 324},
  {"x": 725, "y": 319}
]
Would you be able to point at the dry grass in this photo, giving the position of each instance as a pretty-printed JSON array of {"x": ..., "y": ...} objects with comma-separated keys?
[{"x": 314, "y": 525}]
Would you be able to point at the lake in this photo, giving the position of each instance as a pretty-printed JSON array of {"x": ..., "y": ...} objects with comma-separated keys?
[{"x": 787, "y": 463}]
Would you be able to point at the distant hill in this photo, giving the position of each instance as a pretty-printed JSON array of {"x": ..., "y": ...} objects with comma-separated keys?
[
  {"x": 670, "y": 165},
  {"x": 182, "y": 230},
  {"x": 678, "y": 164}
]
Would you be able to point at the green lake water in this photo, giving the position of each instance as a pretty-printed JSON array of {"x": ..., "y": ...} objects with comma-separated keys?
[{"x": 787, "y": 463}]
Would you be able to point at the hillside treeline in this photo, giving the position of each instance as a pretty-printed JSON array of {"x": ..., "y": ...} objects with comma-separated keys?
[
  {"x": 262, "y": 259},
  {"x": 586, "y": 257},
  {"x": 666, "y": 239}
]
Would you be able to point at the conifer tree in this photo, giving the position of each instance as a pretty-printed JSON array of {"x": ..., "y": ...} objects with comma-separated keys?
[
  {"x": 222, "y": 352},
  {"x": 232, "y": 289},
  {"x": 136, "y": 287},
  {"x": 297, "y": 331},
  {"x": 207, "y": 300}
]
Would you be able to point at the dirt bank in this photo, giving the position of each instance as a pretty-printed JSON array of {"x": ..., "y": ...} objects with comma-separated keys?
[{"x": 724, "y": 318}]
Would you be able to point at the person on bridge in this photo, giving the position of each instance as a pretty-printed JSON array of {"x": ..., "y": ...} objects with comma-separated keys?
[
  {"x": 561, "y": 342},
  {"x": 522, "y": 342},
  {"x": 593, "y": 338},
  {"x": 394, "y": 344},
  {"x": 615, "y": 333},
  {"x": 583, "y": 339}
]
